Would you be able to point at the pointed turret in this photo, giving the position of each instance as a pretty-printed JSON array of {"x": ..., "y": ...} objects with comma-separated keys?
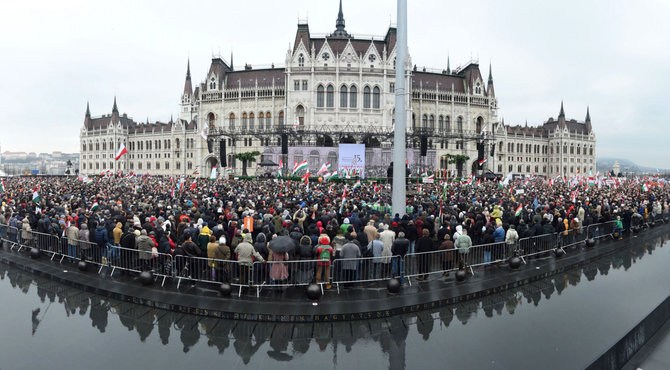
[
  {"x": 587, "y": 121},
  {"x": 87, "y": 118},
  {"x": 448, "y": 66},
  {"x": 231, "y": 61},
  {"x": 339, "y": 25},
  {"x": 115, "y": 112},
  {"x": 561, "y": 114},
  {"x": 88, "y": 111},
  {"x": 188, "y": 88},
  {"x": 489, "y": 88}
]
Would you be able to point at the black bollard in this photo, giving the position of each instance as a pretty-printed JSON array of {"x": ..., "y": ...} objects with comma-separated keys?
[
  {"x": 590, "y": 243},
  {"x": 225, "y": 289},
  {"x": 515, "y": 262},
  {"x": 313, "y": 292},
  {"x": 461, "y": 275},
  {"x": 393, "y": 286},
  {"x": 35, "y": 253},
  {"x": 82, "y": 265},
  {"x": 146, "y": 278},
  {"x": 559, "y": 252}
]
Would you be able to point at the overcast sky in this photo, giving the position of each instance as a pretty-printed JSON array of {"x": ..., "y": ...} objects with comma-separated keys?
[{"x": 612, "y": 55}]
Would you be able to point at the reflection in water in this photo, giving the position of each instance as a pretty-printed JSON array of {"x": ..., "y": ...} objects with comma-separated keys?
[{"x": 287, "y": 341}]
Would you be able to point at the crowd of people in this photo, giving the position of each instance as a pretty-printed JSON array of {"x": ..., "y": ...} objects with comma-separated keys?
[{"x": 238, "y": 219}]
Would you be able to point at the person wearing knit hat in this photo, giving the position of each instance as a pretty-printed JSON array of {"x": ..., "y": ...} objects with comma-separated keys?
[{"x": 324, "y": 254}]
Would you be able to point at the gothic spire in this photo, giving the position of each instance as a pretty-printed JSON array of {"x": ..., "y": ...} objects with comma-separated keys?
[
  {"x": 231, "y": 60},
  {"x": 490, "y": 74},
  {"x": 561, "y": 114},
  {"x": 588, "y": 116},
  {"x": 115, "y": 109},
  {"x": 88, "y": 111},
  {"x": 188, "y": 88},
  {"x": 448, "y": 66},
  {"x": 339, "y": 25}
]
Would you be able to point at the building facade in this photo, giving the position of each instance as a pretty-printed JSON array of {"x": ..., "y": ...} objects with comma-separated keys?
[{"x": 334, "y": 88}]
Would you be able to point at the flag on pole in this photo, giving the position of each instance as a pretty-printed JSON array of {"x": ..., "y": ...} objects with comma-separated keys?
[
  {"x": 645, "y": 187},
  {"x": 193, "y": 185},
  {"x": 213, "y": 175},
  {"x": 196, "y": 172},
  {"x": 121, "y": 152},
  {"x": 299, "y": 167},
  {"x": 518, "y": 210},
  {"x": 305, "y": 178},
  {"x": 296, "y": 123},
  {"x": 281, "y": 167},
  {"x": 172, "y": 193},
  {"x": 324, "y": 168},
  {"x": 356, "y": 185},
  {"x": 95, "y": 206},
  {"x": 204, "y": 132},
  {"x": 481, "y": 163},
  {"x": 36, "y": 196},
  {"x": 3, "y": 188},
  {"x": 229, "y": 170}
]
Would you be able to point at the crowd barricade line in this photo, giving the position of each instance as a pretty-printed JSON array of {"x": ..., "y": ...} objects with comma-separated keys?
[
  {"x": 601, "y": 230},
  {"x": 135, "y": 260},
  {"x": 424, "y": 264},
  {"x": 362, "y": 270},
  {"x": 283, "y": 273},
  {"x": 213, "y": 271},
  {"x": 536, "y": 245},
  {"x": 47, "y": 243},
  {"x": 11, "y": 235}
]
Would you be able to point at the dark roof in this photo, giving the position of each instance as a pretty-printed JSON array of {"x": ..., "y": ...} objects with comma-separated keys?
[
  {"x": 248, "y": 78},
  {"x": 572, "y": 125},
  {"x": 219, "y": 68},
  {"x": 103, "y": 122},
  {"x": 337, "y": 45},
  {"x": 443, "y": 81},
  {"x": 527, "y": 131}
]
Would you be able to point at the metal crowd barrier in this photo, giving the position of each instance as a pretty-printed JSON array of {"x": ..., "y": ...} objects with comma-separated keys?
[
  {"x": 601, "y": 230},
  {"x": 209, "y": 270},
  {"x": 11, "y": 236},
  {"x": 362, "y": 270},
  {"x": 487, "y": 254},
  {"x": 134, "y": 260},
  {"x": 538, "y": 244},
  {"x": 572, "y": 237},
  {"x": 46, "y": 243},
  {"x": 425, "y": 264}
]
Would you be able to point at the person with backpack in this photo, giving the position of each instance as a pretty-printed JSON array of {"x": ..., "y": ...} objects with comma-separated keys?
[{"x": 324, "y": 253}]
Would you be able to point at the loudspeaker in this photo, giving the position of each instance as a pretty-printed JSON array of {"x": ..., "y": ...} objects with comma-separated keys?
[
  {"x": 210, "y": 146},
  {"x": 493, "y": 149},
  {"x": 284, "y": 144},
  {"x": 480, "y": 151},
  {"x": 424, "y": 146},
  {"x": 222, "y": 153}
]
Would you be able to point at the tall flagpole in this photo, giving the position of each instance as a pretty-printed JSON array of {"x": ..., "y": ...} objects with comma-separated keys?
[{"x": 399, "y": 144}]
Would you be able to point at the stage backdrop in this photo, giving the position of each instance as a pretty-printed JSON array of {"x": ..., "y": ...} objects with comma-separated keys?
[{"x": 352, "y": 160}]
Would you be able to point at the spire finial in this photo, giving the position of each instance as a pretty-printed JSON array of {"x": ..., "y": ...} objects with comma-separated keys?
[
  {"x": 561, "y": 114},
  {"x": 231, "y": 60},
  {"x": 490, "y": 74},
  {"x": 188, "y": 69},
  {"x": 115, "y": 109},
  {"x": 448, "y": 65},
  {"x": 588, "y": 115},
  {"x": 339, "y": 25},
  {"x": 88, "y": 111}
]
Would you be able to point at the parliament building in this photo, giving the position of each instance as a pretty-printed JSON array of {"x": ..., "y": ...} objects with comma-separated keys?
[{"x": 335, "y": 88}]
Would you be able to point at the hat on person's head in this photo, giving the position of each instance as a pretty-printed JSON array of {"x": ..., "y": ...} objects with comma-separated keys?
[
  {"x": 394, "y": 224},
  {"x": 346, "y": 220},
  {"x": 143, "y": 232},
  {"x": 137, "y": 233},
  {"x": 324, "y": 240},
  {"x": 402, "y": 234}
]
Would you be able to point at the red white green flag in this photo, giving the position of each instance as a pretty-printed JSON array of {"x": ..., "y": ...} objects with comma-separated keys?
[{"x": 518, "y": 210}]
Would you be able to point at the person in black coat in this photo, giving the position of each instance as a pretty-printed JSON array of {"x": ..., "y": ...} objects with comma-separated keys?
[{"x": 424, "y": 244}]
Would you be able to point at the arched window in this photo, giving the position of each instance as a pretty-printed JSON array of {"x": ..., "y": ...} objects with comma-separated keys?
[
  {"x": 330, "y": 96},
  {"x": 424, "y": 122},
  {"x": 591, "y": 150},
  {"x": 210, "y": 119},
  {"x": 231, "y": 121},
  {"x": 343, "y": 96},
  {"x": 376, "y": 98},
  {"x": 268, "y": 121},
  {"x": 104, "y": 145},
  {"x": 440, "y": 123},
  {"x": 319, "y": 96},
  {"x": 366, "y": 97},
  {"x": 300, "y": 113},
  {"x": 459, "y": 124},
  {"x": 281, "y": 118},
  {"x": 447, "y": 123},
  {"x": 244, "y": 121},
  {"x": 301, "y": 60},
  {"x": 261, "y": 120},
  {"x": 431, "y": 123},
  {"x": 177, "y": 142},
  {"x": 353, "y": 95},
  {"x": 251, "y": 121},
  {"x": 579, "y": 150},
  {"x": 480, "y": 124},
  {"x": 572, "y": 149}
]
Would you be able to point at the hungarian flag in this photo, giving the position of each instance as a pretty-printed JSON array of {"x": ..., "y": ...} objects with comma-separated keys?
[
  {"x": 645, "y": 187},
  {"x": 518, "y": 210},
  {"x": 334, "y": 175},
  {"x": 121, "y": 152},
  {"x": 193, "y": 185},
  {"x": 172, "y": 193},
  {"x": 481, "y": 163},
  {"x": 3, "y": 188},
  {"x": 196, "y": 172},
  {"x": 281, "y": 167},
  {"x": 305, "y": 178},
  {"x": 36, "y": 196},
  {"x": 357, "y": 184},
  {"x": 324, "y": 169},
  {"x": 95, "y": 206},
  {"x": 213, "y": 175},
  {"x": 300, "y": 166},
  {"x": 229, "y": 169}
]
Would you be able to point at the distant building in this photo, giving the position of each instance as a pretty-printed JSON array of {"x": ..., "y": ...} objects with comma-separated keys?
[
  {"x": 616, "y": 168},
  {"x": 335, "y": 88}
]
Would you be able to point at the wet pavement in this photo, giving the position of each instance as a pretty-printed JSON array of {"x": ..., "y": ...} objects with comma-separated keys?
[{"x": 562, "y": 322}]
